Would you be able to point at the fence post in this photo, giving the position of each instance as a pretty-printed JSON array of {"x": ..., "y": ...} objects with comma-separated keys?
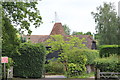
[{"x": 98, "y": 73}]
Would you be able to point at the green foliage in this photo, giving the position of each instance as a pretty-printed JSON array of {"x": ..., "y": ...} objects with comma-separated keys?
[
  {"x": 16, "y": 14},
  {"x": 107, "y": 50},
  {"x": 96, "y": 36},
  {"x": 70, "y": 51},
  {"x": 81, "y": 33},
  {"x": 77, "y": 33},
  {"x": 22, "y": 13},
  {"x": 78, "y": 58},
  {"x": 10, "y": 63},
  {"x": 30, "y": 62},
  {"x": 66, "y": 29},
  {"x": 58, "y": 42},
  {"x": 74, "y": 69},
  {"x": 10, "y": 41},
  {"x": 90, "y": 54},
  {"x": 84, "y": 75},
  {"x": 109, "y": 61},
  {"x": 118, "y": 31},
  {"x": 107, "y": 24},
  {"x": 88, "y": 33},
  {"x": 108, "y": 64},
  {"x": 54, "y": 67},
  {"x": 74, "y": 62}
]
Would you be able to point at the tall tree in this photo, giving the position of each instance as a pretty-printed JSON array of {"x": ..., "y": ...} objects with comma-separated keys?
[
  {"x": 17, "y": 14},
  {"x": 66, "y": 29},
  {"x": 107, "y": 24}
]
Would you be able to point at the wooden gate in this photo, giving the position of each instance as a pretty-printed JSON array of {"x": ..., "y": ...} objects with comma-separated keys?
[{"x": 107, "y": 75}]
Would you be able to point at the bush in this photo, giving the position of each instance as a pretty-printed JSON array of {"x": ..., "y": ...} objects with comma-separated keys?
[
  {"x": 107, "y": 50},
  {"x": 91, "y": 55},
  {"x": 74, "y": 69},
  {"x": 108, "y": 64},
  {"x": 30, "y": 63},
  {"x": 76, "y": 58},
  {"x": 54, "y": 67}
]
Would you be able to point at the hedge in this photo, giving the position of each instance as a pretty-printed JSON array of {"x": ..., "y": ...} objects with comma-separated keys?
[
  {"x": 91, "y": 55},
  {"x": 30, "y": 63},
  {"x": 108, "y": 64},
  {"x": 107, "y": 50}
]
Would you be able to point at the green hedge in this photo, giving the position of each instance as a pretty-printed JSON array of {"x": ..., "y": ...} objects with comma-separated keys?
[
  {"x": 108, "y": 64},
  {"x": 107, "y": 50},
  {"x": 30, "y": 63},
  {"x": 91, "y": 55}
]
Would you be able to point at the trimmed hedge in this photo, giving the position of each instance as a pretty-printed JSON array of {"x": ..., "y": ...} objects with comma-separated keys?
[
  {"x": 108, "y": 64},
  {"x": 30, "y": 63},
  {"x": 107, "y": 50}
]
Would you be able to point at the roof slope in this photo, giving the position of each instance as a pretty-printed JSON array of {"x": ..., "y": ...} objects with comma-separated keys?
[
  {"x": 57, "y": 29},
  {"x": 37, "y": 38},
  {"x": 42, "y": 38}
]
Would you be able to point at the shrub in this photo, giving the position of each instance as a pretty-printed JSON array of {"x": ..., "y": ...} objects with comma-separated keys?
[
  {"x": 30, "y": 62},
  {"x": 107, "y": 50},
  {"x": 91, "y": 55},
  {"x": 108, "y": 64},
  {"x": 74, "y": 69},
  {"x": 54, "y": 67},
  {"x": 76, "y": 58}
]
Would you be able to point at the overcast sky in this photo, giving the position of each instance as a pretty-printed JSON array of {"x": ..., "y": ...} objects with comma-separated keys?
[{"x": 75, "y": 13}]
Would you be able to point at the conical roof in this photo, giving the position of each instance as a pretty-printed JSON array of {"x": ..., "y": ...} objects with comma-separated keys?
[{"x": 57, "y": 29}]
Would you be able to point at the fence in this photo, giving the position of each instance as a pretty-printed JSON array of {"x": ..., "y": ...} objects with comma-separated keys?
[{"x": 107, "y": 75}]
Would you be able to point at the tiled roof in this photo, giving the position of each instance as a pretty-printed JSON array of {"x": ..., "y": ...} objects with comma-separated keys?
[
  {"x": 37, "y": 38},
  {"x": 42, "y": 38},
  {"x": 57, "y": 29}
]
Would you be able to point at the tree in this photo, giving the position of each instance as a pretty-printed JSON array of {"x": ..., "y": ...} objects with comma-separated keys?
[
  {"x": 81, "y": 33},
  {"x": 88, "y": 33},
  {"x": 107, "y": 24},
  {"x": 10, "y": 40},
  {"x": 69, "y": 52},
  {"x": 66, "y": 29},
  {"x": 77, "y": 33},
  {"x": 118, "y": 31},
  {"x": 17, "y": 14},
  {"x": 22, "y": 14}
]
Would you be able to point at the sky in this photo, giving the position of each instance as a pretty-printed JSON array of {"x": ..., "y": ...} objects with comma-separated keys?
[{"x": 76, "y": 14}]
